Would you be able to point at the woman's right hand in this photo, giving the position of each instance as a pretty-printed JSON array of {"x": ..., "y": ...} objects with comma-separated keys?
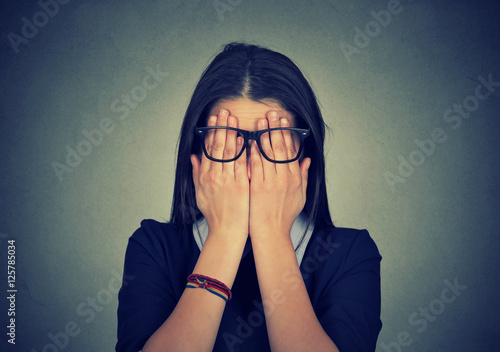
[{"x": 222, "y": 189}]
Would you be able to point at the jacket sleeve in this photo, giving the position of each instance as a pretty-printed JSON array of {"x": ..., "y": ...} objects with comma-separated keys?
[
  {"x": 146, "y": 298},
  {"x": 349, "y": 306}
]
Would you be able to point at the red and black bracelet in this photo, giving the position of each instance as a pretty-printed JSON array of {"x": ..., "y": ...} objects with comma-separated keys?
[{"x": 212, "y": 285}]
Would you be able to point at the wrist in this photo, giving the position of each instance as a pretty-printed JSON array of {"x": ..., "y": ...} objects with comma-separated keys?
[
  {"x": 267, "y": 230},
  {"x": 230, "y": 230},
  {"x": 228, "y": 236},
  {"x": 271, "y": 237},
  {"x": 220, "y": 258},
  {"x": 226, "y": 241}
]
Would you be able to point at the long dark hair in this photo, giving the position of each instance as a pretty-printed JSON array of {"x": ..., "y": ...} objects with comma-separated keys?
[{"x": 257, "y": 73}]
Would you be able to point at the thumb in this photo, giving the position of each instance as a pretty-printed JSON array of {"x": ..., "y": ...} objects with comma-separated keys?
[
  {"x": 304, "y": 171},
  {"x": 195, "y": 163}
]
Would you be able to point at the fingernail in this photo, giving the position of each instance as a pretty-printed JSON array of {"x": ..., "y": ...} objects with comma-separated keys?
[
  {"x": 273, "y": 115},
  {"x": 284, "y": 121},
  {"x": 262, "y": 123},
  {"x": 223, "y": 113},
  {"x": 212, "y": 120}
]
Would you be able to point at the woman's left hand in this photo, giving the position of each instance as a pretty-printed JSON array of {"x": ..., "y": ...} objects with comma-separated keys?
[{"x": 277, "y": 191}]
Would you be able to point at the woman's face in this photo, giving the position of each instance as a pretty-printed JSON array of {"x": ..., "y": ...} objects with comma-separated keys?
[{"x": 249, "y": 112}]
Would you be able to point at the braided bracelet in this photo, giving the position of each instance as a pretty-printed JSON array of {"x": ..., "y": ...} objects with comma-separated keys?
[{"x": 212, "y": 285}]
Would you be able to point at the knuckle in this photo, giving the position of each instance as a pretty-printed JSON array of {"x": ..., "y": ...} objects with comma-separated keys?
[
  {"x": 229, "y": 151},
  {"x": 266, "y": 147},
  {"x": 217, "y": 146},
  {"x": 279, "y": 147},
  {"x": 211, "y": 178}
]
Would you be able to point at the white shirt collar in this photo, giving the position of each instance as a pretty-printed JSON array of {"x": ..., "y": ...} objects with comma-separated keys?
[{"x": 200, "y": 233}]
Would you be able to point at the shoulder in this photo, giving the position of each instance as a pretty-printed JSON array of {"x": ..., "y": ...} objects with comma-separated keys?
[
  {"x": 157, "y": 239},
  {"x": 343, "y": 282},
  {"x": 345, "y": 240},
  {"x": 152, "y": 231},
  {"x": 357, "y": 243},
  {"x": 161, "y": 244},
  {"x": 341, "y": 248}
]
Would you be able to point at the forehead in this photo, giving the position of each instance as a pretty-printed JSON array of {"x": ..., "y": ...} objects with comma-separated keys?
[{"x": 249, "y": 111}]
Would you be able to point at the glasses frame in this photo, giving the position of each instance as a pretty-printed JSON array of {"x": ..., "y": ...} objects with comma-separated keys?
[{"x": 253, "y": 135}]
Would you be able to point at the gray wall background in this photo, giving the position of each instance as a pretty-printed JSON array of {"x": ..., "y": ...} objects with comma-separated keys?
[{"x": 437, "y": 226}]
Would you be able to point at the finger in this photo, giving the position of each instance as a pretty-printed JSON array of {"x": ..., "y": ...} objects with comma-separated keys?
[
  {"x": 240, "y": 164},
  {"x": 230, "y": 148},
  {"x": 291, "y": 145},
  {"x": 304, "y": 171},
  {"x": 291, "y": 142},
  {"x": 265, "y": 143},
  {"x": 256, "y": 170},
  {"x": 265, "y": 140},
  {"x": 195, "y": 163},
  {"x": 277, "y": 141},
  {"x": 217, "y": 148},
  {"x": 209, "y": 138}
]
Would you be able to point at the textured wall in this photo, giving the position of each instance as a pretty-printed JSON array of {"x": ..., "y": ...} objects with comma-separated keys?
[{"x": 383, "y": 82}]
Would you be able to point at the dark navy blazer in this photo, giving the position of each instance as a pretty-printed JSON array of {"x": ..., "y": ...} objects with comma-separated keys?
[{"x": 340, "y": 268}]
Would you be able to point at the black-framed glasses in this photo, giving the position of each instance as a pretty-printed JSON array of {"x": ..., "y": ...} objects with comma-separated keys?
[{"x": 293, "y": 137}]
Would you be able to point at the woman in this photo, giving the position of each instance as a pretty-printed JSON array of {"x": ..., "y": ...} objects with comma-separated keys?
[{"x": 250, "y": 260}]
